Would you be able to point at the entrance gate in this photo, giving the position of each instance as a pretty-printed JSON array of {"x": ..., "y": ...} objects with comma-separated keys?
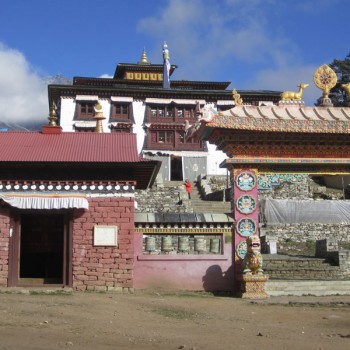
[{"x": 288, "y": 138}]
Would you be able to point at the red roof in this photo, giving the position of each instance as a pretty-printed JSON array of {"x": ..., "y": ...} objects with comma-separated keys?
[{"x": 19, "y": 146}]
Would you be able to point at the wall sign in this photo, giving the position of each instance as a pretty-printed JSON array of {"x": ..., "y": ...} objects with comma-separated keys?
[{"x": 105, "y": 235}]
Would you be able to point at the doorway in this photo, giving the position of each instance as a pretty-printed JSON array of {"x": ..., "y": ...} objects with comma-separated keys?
[
  {"x": 176, "y": 169},
  {"x": 40, "y": 249}
]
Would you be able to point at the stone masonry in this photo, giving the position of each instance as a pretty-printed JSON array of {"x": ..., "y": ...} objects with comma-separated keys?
[
  {"x": 104, "y": 268},
  {"x": 4, "y": 245}
]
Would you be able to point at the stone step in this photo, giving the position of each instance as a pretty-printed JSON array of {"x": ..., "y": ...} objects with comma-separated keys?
[{"x": 302, "y": 287}]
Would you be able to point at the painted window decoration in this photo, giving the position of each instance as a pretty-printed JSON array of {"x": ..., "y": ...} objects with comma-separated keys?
[
  {"x": 246, "y": 204},
  {"x": 246, "y": 181},
  {"x": 241, "y": 249},
  {"x": 246, "y": 227}
]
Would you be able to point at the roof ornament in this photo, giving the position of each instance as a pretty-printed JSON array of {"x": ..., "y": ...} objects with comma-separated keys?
[
  {"x": 53, "y": 115},
  {"x": 294, "y": 95},
  {"x": 346, "y": 88},
  {"x": 144, "y": 59},
  {"x": 237, "y": 98},
  {"x": 325, "y": 79},
  {"x": 98, "y": 117}
]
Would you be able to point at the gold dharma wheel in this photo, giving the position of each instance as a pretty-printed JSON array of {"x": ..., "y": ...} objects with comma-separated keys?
[{"x": 325, "y": 79}]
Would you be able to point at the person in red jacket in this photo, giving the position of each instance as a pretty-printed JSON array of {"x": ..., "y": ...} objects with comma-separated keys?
[{"x": 188, "y": 186}]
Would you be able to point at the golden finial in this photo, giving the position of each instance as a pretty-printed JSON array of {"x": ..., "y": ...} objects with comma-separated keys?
[
  {"x": 99, "y": 117},
  {"x": 144, "y": 59},
  {"x": 346, "y": 87},
  {"x": 237, "y": 98},
  {"x": 325, "y": 79},
  {"x": 52, "y": 116}
]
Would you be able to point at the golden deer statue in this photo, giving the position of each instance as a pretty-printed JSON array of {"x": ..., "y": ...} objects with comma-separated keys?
[
  {"x": 346, "y": 87},
  {"x": 294, "y": 95}
]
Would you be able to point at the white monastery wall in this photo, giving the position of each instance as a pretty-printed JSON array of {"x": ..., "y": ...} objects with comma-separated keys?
[
  {"x": 67, "y": 113},
  {"x": 139, "y": 114}
]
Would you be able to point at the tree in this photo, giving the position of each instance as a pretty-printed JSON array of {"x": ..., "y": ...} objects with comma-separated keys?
[{"x": 338, "y": 94}]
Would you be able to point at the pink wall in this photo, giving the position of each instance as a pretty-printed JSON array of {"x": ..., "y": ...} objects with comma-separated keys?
[
  {"x": 183, "y": 272},
  {"x": 101, "y": 267}
]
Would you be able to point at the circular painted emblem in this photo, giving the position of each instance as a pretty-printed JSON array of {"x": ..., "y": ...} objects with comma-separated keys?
[
  {"x": 246, "y": 227},
  {"x": 246, "y": 181},
  {"x": 241, "y": 249},
  {"x": 246, "y": 204}
]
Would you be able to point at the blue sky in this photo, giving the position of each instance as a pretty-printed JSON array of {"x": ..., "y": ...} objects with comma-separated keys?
[{"x": 255, "y": 44}]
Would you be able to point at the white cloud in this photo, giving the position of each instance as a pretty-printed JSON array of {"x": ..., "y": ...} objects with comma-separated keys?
[
  {"x": 287, "y": 78},
  {"x": 106, "y": 76},
  {"x": 23, "y": 95},
  {"x": 206, "y": 34}
]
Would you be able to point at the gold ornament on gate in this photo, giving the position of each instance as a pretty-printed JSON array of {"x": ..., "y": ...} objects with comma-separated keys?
[{"x": 325, "y": 79}]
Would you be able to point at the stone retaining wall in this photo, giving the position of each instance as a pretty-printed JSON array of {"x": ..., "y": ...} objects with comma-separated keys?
[{"x": 307, "y": 232}]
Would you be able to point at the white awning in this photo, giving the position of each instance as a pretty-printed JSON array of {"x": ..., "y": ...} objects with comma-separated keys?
[
  {"x": 225, "y": 103},
  {"x": 33, "y": 201},
  {"x": 175, "y": 153},
  {"x": 121, "y": 99},
  {"x": 175, "y": 100},
  {"x": 86, "y": 98},
  {"x": 85, "y": 124}
]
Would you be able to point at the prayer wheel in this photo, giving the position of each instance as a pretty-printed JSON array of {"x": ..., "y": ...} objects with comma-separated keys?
[
  {"x": 184, "y": 244},
  {"x": 167, "y": 244},
  {"x": 150, "y": 244},
  {"x": 200, "y": 244},
  {"x": 215, "y": 245}
]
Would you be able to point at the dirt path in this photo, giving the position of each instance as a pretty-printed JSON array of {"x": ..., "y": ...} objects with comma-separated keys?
[{"x": 171, "y": 321}]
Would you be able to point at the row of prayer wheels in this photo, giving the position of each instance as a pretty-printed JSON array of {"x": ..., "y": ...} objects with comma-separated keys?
[{"x": 200, "y": 244}]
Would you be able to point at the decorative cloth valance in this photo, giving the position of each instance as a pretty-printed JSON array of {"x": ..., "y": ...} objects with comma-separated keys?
[{"x": 36, "y": 201}]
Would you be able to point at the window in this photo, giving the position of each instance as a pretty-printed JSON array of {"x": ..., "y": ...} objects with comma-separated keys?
[
  {"x": 161, "y": 112},
  {"x": 185, "y": 112},
  {"x": 162, "y": 137},
  {"x": 120, "y": 111},
  {"x": 85, "y": 110}
]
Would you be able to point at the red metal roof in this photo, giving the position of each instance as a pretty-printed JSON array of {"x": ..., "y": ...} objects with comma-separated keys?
[{"x": 17, "y": 146}]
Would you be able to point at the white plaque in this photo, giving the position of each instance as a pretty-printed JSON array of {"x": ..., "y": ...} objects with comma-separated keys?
[{"x": 105, "y": 235}]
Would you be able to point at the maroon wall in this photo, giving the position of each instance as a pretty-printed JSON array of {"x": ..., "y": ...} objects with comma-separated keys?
[
  {"x": 103, "y": 268},
  {"x": 4, "y": 245}
]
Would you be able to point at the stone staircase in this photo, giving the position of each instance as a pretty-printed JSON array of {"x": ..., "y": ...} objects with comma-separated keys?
[
  {"x": 304, "y": 287},
  {"x": 202, "y": 206},
  {"x": 280, "y": 267},
  {"x": 298, "y": 276}
]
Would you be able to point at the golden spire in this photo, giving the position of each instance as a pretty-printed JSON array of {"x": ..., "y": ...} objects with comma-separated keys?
[
  {"x": 144, "y": 58},
  {"x": 99, "y": 117},
  {"x": 52, "y": 116}
]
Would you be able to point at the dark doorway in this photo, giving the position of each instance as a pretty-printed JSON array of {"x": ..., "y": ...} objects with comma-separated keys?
[
  {"x": 176, "y": 169},
  {"x": 41, "y": 253}
]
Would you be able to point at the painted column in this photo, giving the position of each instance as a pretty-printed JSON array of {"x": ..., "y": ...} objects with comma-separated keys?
[{"x": 246, "y": 213}]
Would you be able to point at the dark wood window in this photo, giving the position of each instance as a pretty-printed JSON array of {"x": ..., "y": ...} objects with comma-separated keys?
[
  {"x": 120, "y": 111},
  {"x": 185, "y": 112},
  {"x": 85, "y": 110},
  {"x": 160, "y": 112},
  {"x": 166, "y": 137}
]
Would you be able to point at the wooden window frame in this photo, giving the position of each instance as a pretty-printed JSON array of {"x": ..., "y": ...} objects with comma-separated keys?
[
  {"x": 85, "y": 110},
  {"x": 123, "y": 113}
]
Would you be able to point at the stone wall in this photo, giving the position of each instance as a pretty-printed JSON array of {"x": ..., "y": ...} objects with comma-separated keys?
[
  {"x": 162, "y": 200},
  {"x": 306, "y": 232},
  {"x": 4, "y": 245},
  {"x": 103, "y": 268}
]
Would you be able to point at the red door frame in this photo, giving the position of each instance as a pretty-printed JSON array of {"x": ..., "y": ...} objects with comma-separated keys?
[{"x": 14, "y": 248}]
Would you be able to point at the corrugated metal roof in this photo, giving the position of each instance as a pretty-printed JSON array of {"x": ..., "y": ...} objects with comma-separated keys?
[{"x": 19, "y": 146}]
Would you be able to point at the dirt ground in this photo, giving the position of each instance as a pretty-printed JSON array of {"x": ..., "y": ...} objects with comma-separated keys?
[{"x": 160, "y": 320}]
